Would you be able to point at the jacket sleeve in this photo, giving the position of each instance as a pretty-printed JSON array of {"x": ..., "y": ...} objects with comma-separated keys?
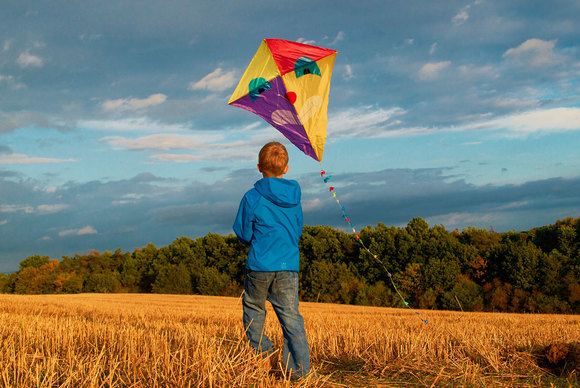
[
  {"x": 300, "y": 220},
  {"x": 243, "y": 225}
]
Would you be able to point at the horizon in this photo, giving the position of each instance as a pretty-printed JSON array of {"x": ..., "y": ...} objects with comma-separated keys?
[{"x": 88, "y": 251}]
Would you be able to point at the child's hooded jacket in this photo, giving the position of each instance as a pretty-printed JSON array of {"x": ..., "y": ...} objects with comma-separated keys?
[{"x": 270, "y": 220}]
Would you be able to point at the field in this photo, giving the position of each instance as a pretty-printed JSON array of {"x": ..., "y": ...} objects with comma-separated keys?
[{"x": 134, "y": 340}]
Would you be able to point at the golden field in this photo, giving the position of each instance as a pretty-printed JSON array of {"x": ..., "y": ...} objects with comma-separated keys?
[{"x": 136, "y": 340}]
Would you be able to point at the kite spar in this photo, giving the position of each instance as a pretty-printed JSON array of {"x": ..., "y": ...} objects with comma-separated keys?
[{"x": 287, "y": 84}]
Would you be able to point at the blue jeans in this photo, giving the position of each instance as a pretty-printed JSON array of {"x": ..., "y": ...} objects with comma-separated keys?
[{"x": 281, "y": 290}]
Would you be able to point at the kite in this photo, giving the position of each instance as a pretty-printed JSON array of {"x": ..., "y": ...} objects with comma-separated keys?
[{"x": 287, "y": 84}]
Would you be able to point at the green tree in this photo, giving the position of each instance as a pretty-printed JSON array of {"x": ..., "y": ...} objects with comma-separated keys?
[
  {"x": 145, "y": 262},
  {"x": 173, "y": 279},
  {"x": 468, "y": 293},
  {"x": 102, "y": 282},
  {"x": 441, "y": 274},
  {"x": 211, "y": 281},
  {"x": 322, "y": 281},
  {"x": 35, "y": 261},
  {"x": 410, "y": 282},
  {"x": 5, "y": 287}
]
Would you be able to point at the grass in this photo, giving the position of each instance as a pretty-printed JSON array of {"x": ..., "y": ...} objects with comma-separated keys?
[{"x": 135, "y": 340}]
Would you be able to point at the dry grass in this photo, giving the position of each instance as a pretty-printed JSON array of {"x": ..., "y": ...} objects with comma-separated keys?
[{"x": 128, "y": 340}]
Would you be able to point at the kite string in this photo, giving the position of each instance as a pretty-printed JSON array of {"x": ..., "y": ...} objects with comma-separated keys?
[{"x": 326, "y": 179}]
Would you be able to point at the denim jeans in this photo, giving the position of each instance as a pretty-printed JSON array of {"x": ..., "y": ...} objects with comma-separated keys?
[{"x": 281, "y": 290}]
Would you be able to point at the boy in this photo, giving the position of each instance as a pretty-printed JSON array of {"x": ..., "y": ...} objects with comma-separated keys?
[{"x": 270, "y": 220}]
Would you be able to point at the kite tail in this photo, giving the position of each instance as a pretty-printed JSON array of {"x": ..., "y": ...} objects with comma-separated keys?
[{"x": 326, "y": 179}]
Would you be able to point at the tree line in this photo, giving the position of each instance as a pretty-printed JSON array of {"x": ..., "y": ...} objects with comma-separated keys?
[{"x": 472, "y": 270}]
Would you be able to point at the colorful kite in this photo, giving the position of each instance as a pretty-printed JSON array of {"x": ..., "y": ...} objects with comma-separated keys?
[{"x": 287, "y": 84}]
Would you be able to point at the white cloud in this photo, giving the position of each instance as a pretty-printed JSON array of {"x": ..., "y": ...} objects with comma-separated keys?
[
  {"x": 367, "y": 122},
  {"x": 78, "y": 232},
  {"x": 40, "y": 209},
  {"x": 133, "y": 124},
  {"x": 313, "y": 204},
  {"x": 178, "y": 158},
  {"x": 26, "y": 59},
  {"x": 24, "y": 159},
  {"x": 471, "y": 70},
  {"x": 216, "y": 81},
  {"x": 134, "y": 104},
  {"x": 7, "y": 44},
  {"x": 339, "y": 37},
  {"x": 164, "y": 142},
  {"x": 11, "y": 82},
  {"x": 348, "y": 73},
  {"x": 461, "y": 17},
  {"x": 547, "y": 120},
  {"x": 534, "y": 53},
  {"x": 305, "y": 41},
  {"x": 370, "y": 123},
  {"x": 54, "y": 208},
  {"x": 433, "y": 48},
  {"x": 16, "y": 209},
  {"x": 431, "y": 70}
]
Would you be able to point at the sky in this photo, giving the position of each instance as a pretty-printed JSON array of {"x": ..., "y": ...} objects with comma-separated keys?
[{"x": 115, "y": 130}]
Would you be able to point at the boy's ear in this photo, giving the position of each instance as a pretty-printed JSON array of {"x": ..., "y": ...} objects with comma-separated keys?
[
  {"x": 286, "y": 169},
  {"x": 259, "y": 169}
]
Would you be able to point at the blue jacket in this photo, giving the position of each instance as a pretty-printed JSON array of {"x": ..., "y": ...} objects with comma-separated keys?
[{"x": 270, "y": 220}]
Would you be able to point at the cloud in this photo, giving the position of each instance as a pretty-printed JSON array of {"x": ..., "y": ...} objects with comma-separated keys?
[
  {"x": 10, "y": 121},
  {"x": 461, "y": 17},
  {"x": 16, "y": 209},
  {"x": 30, "y": 209},
  {"x": 11, "y": 82},
  {"x": 348, "y": 73},
  {"x": 430, "y": 71},
  {"x": 369, "y": 122},
  {"x": 78, "y": 232},
  {"x": 7, "y": 45},
  {"x": 536, "y": 121},
  {"x": 12, "y": 158},
  {"x": 216, "y": 81},
  {"x": 134, "y": 104},
  {"x": 339, "y": 37},
  {"x": 25, "y": 59},
  {"x": 534, "y": 53},
  {"x": 54, "y": 208},
  {"x": 133, "y": 124},
  {"x": 178, "y": 158},
  {"x": 306, "y": 41},
  {"x": 472, "y": 71},
  {"x": 397, "y": 195},
  {"x": 433, "y": 48},
  {"x": 206, "y": 145},
  {"x": 163, "y": 142}
]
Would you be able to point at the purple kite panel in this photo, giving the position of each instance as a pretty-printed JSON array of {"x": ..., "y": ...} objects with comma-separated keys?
[{"x": 271, "y": 104}]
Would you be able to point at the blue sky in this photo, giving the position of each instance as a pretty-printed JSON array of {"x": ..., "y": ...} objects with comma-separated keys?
[{"x": 115, "y": 129}]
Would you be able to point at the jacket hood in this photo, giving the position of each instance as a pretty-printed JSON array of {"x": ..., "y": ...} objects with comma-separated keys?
[{"x": 282, "y": 192}]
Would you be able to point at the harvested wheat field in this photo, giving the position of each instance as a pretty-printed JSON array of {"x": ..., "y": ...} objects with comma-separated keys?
[{"x": 134, "y": 340}]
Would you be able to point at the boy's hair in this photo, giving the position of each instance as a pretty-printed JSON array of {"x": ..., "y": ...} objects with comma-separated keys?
[{"x": 273, "y": 158}]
